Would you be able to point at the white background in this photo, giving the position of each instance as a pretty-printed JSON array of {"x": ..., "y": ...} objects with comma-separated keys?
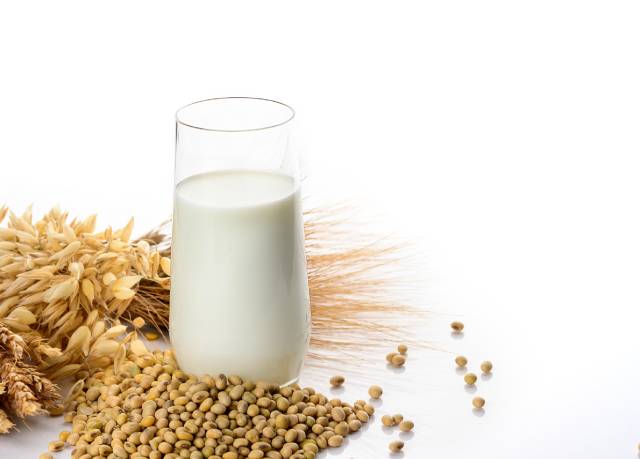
[{"x": 500, "y": 137}]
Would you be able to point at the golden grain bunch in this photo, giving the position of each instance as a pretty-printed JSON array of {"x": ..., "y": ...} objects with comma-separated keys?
[{"x": 64, "y": 286}]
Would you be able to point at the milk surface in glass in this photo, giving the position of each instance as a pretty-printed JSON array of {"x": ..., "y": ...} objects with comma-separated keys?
[{"x": 239, "y": 294}]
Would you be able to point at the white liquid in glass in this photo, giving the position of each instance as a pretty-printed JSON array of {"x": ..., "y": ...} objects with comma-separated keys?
[{"x": 239, "y": 293}]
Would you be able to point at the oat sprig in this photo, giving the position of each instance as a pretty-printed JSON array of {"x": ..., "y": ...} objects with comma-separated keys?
[{"x": 63, "y": 287}]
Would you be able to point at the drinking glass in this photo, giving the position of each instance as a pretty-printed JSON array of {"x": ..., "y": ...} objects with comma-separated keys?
[{"x": 239, "y": 292}]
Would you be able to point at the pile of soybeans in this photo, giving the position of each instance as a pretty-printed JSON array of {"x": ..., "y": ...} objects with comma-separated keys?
[{"x": 148, "y": 408}]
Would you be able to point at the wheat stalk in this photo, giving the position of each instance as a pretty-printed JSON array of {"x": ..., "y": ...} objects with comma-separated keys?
[{"x": 23, "y": 390}]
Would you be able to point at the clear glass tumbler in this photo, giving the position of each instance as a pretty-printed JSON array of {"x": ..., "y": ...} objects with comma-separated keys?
[{"x": 239, "y": 293}]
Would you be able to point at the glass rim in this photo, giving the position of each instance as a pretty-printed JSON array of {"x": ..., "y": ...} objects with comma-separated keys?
[{"x": 292, "y": 114}]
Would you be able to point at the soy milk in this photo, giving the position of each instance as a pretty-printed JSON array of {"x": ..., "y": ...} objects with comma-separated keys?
[{"x": 239, "y": 293}]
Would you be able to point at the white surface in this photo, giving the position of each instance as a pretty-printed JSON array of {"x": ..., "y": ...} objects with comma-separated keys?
[
  {"x": 500, "y": 136},
  {"x": 238, "y": 255}
]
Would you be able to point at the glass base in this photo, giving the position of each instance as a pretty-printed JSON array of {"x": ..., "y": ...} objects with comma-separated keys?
[{"x": 290, "y": 383}]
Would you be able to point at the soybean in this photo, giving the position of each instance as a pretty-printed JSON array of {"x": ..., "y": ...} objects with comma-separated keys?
[
  {"x": 486, "y": 366},
  {"x": 56, "y": 446},
  {"x": 470, "y": 378},
  {"x": 375, "y": 392},
  {"x": 388, "y": 421},
  {"x": 149, "y": 408},
  {"x": 478, "y": 402},
  {"x": 461, "y": 361},
  {"x": 335, "y": 441},
  {"x": 406, "y": 426},
  {"x": 398, "y": 360},
  {"x": 396, "y": 446}
]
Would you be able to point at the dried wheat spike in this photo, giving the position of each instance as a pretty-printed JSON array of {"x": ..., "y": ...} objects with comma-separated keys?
[
  {"x": 5, "y": 423},
  {"x": 27, "y": 392},
  {"x": 11, "y": 343}
]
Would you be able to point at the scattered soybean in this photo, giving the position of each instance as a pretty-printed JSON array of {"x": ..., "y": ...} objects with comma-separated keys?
[
  {"x": 478, "y": 402},
  {"x": 375, "y": 392},
  {"x": 486, "y": 366},
  {"x": 461, "y": 361},
  {"x": 406, "y": 426},
  {"x": 398, "y": 360},
  {"x": 470, "y": 378}
]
